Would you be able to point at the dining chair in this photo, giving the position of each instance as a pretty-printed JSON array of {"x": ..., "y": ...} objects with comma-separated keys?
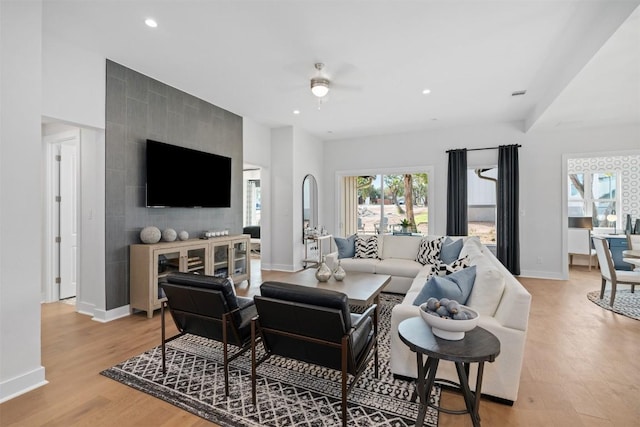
[
  {"x": 609, "y": 273},
  {"x": 579, "y": 243},
  {"x": 633, "y": 241}
]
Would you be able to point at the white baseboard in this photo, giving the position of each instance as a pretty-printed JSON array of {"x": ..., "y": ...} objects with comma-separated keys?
[
  {"x": 109, "y": 315},
  {"x": 85, "y": 308},
  {"x": 22, "y": 384},
  {"x": 283, "y": 267},
  {"x": 536, "y": 274}
]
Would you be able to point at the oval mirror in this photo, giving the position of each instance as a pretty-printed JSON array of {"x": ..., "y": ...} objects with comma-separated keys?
[{"x": 309, "y": 204}]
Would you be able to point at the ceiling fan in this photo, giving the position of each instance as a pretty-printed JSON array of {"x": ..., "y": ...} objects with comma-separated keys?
[{"x": 320, "y": 84}]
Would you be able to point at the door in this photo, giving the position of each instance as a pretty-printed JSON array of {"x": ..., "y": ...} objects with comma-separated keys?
[{"x": 68, "y": 205}]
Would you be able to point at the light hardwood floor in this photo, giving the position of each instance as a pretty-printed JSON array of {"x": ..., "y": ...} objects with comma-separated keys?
[{"x": 581, "y": 367}]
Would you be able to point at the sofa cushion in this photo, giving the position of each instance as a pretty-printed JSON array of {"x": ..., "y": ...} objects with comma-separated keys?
[
  {"x": 450, "y": 250},
  {"x": 366, "y": 247},
  {"x": 405, "y": 247},
  {"x": 456, "y": 286},
  {"x": 398, "y": 267},
  {"x": 346, "y": 246},
  {"x": 487, "y": 289},
  {"x": 361, "y": 265},
  {"x": 429, "y": 251}
]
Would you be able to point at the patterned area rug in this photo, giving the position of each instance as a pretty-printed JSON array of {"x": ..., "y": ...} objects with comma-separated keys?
[
  {"x": 290, "y": 393},
  {"x": 626, "y": 303}
]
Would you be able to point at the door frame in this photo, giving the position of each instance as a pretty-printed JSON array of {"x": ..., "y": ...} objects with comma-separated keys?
[
  {"x": 51, "y": 291},
  {"x": 565, "y": 196}
]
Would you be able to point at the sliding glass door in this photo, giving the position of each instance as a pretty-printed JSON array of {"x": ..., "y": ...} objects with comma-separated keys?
[{"x": 386, "y": 203}]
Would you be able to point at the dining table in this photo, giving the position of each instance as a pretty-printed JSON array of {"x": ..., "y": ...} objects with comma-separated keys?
[{"x": 631, "y": 253}]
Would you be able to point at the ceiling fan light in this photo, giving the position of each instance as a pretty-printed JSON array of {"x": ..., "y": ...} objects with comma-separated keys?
[{"x": 319, "y": 87}]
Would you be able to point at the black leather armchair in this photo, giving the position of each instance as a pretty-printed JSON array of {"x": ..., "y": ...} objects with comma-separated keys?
[
  {"x": 315, "y": 326},
  {"x": 207, "y": 306}
]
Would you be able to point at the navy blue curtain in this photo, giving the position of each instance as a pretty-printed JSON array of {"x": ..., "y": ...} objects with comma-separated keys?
[
  {"x": 457, "y": 218},
  {"x": 508, "y": 224}
]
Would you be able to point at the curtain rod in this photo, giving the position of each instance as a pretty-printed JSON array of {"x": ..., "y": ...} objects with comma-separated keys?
[{"x": 480, "y": 149}]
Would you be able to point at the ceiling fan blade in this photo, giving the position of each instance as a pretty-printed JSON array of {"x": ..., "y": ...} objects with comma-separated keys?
[
  {"x": 343, "y": 71},
  {"x": 346, "y": 87}
]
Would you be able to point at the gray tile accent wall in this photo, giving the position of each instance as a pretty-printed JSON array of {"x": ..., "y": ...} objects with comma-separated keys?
[{"x": 140, "y": 108}]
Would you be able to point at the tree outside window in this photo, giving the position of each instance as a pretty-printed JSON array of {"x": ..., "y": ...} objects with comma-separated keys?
[
  {"x": 594, "y": 195},
  {"x": 385, "y": 201}
]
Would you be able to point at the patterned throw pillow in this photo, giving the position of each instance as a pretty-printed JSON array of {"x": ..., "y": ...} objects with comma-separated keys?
[
  {"x": 429, "y": 251},
  {"x": 456, "y": 265},
  {"x": 367, "y": 247}
]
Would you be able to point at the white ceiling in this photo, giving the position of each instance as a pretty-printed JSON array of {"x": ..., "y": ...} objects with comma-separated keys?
[{"x": 255, "y": 58}]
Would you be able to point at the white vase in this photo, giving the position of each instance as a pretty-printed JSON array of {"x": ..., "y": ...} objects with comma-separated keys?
[
  {"x": 339, "y": 273},
  {"x": 323, "y": 273}
]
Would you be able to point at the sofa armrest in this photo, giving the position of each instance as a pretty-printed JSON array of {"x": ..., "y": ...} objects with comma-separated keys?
[
  {"x": 401, "y": 358},
  {"x": 513, "y": 311}
]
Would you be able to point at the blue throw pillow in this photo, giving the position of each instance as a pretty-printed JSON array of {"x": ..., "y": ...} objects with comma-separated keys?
[
  {"x": 456, "y": 286},
  {"x": 450, "y": 250},
  {"x": 346, "y": 246}
]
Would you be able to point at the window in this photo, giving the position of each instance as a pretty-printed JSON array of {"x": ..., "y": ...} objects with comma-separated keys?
[
  {"x": 481, "y": 203},
  {"x": 594, "y": 195},
  {"x": 377, "y": 204}
]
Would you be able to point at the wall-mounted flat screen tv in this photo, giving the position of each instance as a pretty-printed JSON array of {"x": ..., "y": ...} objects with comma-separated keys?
[{"x": 186, "y": 178}]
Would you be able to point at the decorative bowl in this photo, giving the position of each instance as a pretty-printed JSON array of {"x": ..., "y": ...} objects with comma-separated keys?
[{"x": 449, "y": 329}]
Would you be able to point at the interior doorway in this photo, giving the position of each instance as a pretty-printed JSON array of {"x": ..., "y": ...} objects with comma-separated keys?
[
  {"x": 62, "y": 208},
  {"x": 602, "y": 189},
  {"x": 252, "y": 208}
]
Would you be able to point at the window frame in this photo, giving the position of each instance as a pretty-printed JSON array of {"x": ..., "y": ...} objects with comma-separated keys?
[{"x": 588, "y": 201}]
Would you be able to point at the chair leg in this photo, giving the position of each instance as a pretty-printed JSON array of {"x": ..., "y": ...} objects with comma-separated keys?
[
  {"x": 164, "y": 363},
  {"x": 590, "y": 258},
  {"x": 253, "y": 361},
  {"x": 345, "y": 343},
  {"x": 604, "y": 284},
  {"x": 613, "y": 292}
]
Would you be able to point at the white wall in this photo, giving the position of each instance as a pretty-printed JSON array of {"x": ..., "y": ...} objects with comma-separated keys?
[
  {"x": 74, "y": 94},
  {"x": 21, "y": 192},
  {"x": 541, "y": 178},
  {"x": 294, "y": 155},
  {"x": 73, "y": 84},
  {"x": 281, "y": 199},
  {"x": 308, "y": 159},
  {"x": 91, "y": 297},
  {"x": 256, "y": 150}
]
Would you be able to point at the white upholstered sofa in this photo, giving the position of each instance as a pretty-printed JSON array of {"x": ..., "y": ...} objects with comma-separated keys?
[{"x": 502, "y": 301}]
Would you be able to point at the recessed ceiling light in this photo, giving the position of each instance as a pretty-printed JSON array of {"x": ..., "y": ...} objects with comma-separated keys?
[
  {"x": 296, "y": 112},
  {"x": 151, "y": 22},
  {"x": 426, "y": 91}
]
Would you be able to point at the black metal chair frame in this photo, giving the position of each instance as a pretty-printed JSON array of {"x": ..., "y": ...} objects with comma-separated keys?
[
  {"x": 348, "y": 359},
  {"x": 225, "y": 322}
]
